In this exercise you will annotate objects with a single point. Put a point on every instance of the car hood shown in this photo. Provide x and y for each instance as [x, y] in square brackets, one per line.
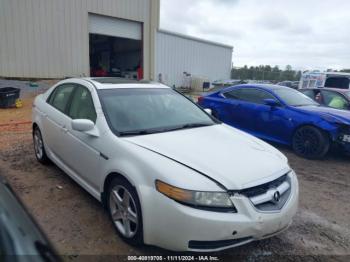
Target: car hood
[232, 158]
[327, 113]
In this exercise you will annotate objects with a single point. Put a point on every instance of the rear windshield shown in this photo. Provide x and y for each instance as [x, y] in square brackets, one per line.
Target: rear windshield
[338, 82]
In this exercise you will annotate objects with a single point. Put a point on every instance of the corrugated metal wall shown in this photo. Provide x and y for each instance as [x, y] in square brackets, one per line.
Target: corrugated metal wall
[176, 54]
[49, 38]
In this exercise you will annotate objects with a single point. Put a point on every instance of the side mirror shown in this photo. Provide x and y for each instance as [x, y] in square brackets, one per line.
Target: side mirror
[82, 125]
[271, 102]
[209, 111]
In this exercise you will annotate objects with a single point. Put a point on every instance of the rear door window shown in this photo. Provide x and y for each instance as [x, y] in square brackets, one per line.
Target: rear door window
[233, 94]
[251, 95]
[60, 97]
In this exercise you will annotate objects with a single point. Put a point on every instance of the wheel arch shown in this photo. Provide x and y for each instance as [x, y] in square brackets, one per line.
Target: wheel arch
[324, 129]
[34, 125]
[37, 123]
[109, 178]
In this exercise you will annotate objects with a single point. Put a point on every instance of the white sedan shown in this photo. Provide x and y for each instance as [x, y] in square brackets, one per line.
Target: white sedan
[169, 173]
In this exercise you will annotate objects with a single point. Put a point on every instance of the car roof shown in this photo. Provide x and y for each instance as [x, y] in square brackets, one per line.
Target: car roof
[115, 82]
[327, 73]
[340, 90]
[337, 74]
[263, 86]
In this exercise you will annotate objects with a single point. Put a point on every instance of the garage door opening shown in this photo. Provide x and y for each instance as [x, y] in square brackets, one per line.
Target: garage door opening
[115, 57]
[115, 47]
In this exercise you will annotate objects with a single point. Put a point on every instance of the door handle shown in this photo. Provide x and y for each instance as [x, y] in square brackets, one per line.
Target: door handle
[64, 129]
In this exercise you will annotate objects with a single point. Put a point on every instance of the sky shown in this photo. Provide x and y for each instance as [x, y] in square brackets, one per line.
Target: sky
[306, 34]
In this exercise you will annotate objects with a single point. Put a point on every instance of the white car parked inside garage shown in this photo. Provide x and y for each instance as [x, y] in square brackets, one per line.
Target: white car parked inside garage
[169, 174]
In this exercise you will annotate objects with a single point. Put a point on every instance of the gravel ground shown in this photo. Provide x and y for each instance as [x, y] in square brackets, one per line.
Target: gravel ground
[77, 224]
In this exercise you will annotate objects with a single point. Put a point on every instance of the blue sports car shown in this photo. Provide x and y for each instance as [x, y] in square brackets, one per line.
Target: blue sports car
[283, 115]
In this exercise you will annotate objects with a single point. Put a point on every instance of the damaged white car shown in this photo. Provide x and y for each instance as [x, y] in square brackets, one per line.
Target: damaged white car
[169, 173]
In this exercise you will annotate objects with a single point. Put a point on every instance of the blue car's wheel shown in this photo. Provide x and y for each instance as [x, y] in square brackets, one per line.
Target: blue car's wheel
[311, 142]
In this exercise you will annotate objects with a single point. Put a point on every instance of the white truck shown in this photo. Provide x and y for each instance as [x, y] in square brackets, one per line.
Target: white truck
[316, 79]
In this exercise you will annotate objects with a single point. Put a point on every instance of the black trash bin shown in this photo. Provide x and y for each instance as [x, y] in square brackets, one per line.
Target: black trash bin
[8, 96]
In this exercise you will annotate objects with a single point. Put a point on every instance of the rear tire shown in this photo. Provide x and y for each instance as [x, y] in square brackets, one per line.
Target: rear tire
[310, 142]
[39, 148]
[125, 211]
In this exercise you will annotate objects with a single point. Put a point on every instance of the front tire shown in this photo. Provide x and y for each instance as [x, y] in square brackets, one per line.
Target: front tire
[39, 148]
[310, 142]
[125, 211]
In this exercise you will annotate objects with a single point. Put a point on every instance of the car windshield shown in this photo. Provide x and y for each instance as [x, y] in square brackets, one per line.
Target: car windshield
[137, 111]
[295, 98]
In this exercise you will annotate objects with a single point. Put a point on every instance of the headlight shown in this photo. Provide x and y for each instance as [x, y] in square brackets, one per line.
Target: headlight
[332, 119]
[216, 201]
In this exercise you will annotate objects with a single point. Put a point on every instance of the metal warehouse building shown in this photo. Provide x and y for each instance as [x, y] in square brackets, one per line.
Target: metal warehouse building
[202, 59]
[121, 38]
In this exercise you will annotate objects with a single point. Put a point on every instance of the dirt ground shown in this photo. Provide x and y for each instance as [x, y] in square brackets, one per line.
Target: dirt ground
[76, 223]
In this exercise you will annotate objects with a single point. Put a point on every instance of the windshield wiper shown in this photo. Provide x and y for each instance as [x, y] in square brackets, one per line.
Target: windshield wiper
[136, 133]
[194, 125]
[188, 126]
[162, 130]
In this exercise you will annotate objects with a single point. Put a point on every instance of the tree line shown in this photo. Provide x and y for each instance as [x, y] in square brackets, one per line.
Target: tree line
[265, 72]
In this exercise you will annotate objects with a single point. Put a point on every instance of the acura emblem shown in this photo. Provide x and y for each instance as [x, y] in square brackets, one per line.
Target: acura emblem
[277, 196]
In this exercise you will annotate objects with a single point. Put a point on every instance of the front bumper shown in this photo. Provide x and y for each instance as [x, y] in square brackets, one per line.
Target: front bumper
[176, 227]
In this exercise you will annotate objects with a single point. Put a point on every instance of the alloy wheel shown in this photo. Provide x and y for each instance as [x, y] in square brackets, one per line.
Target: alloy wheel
[123, 211]
[306, 142]
[38, 144]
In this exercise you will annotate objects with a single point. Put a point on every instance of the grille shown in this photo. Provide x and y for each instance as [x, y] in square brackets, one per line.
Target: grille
[205, 245]
[270, 196]
[262, 189]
